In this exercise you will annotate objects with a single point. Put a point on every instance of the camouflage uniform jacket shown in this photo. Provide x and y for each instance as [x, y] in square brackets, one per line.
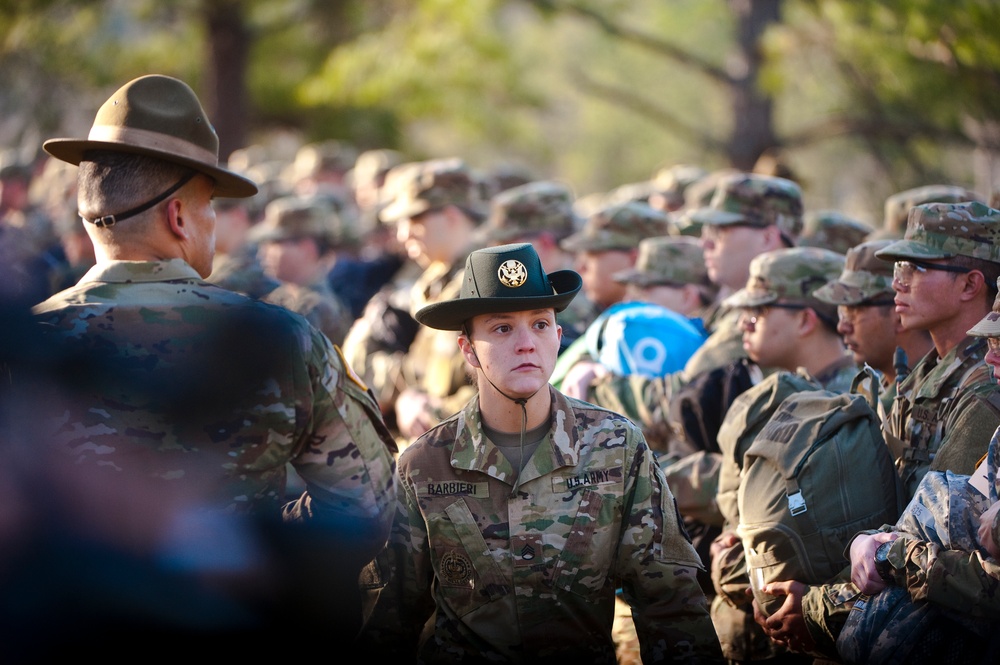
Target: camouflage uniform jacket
[319, 304]
[945, 410]
[210, 388]
[944, 414]
[243, 273]
[945, 587]
[525, 569]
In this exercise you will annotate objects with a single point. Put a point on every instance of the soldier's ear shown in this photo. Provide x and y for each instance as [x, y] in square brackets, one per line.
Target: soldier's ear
[974, 285]
[468, 350]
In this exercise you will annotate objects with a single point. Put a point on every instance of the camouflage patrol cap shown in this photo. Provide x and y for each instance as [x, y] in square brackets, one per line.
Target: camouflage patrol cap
[672, 183]
[832, 229]
[989, 326]
[544, 205]
[667, 260]
[619, 226]
[865, 277]
[297, 217]
[416, 187]
[946, 230]
[897, 206]
[755, 200]
[790, 276]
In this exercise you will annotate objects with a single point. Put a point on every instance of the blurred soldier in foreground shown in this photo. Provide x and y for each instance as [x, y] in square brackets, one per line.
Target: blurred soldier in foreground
[184, 402]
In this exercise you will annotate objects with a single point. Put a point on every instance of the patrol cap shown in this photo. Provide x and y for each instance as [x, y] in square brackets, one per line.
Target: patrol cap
[618, 226]
[989, 326]
[865, 277]
[790, 276]
[669, 260]
[505, 278]
[295, 217]
[946, 230]
[543, 205]
[755, 200]
[897, 207]
[832, 229]
[672, 182]
[157, 116]
[416, 187]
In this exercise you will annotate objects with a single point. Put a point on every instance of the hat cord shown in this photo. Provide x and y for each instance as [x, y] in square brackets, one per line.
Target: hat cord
[520, 401]
[110, 220]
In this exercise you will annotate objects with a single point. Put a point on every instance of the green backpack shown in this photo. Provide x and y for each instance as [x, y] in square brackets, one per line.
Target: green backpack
[817, 473]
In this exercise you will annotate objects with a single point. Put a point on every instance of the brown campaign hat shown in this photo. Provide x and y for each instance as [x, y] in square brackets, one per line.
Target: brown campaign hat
[161, 117]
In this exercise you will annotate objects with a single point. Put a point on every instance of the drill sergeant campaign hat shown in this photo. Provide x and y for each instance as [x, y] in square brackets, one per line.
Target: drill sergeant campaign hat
[667, 260]
[865, 279]
[160, 117]
[619, 226]
[750, 199]
[989, 326]
[505, 278]
[417, 187]
[790, 276]
[535, 207]
[946, 230]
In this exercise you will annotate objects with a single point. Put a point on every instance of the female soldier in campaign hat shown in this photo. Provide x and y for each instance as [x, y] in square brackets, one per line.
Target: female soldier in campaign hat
[519, 517]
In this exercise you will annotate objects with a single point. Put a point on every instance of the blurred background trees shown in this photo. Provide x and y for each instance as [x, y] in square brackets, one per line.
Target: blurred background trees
[858, 98]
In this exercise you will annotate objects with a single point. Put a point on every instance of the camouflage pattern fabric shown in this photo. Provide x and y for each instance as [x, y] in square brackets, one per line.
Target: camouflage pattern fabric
[944, 603]
[790, 276]
[416, 187]
[754, 200]
[209, 390]
[242, 273]
[945, 230]
[544, 205]
[832, 230]
[618, 227]
[865, 277]
[944, 414]
[319, 304]
[525, 569]
[897, 207]
[670, 260]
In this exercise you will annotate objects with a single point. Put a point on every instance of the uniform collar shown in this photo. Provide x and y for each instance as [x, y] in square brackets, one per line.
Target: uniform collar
[560, 447]
[140, 271]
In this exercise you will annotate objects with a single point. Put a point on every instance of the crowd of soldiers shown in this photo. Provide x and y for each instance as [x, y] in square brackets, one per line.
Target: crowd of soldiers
[737, 281]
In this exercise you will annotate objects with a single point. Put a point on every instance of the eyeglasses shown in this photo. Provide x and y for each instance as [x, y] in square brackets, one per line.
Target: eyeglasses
[850, 312]
[903, 271]
[754, 313]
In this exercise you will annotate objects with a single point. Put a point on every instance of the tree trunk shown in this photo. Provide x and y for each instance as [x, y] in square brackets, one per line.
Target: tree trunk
[753, 113]
[226, 96]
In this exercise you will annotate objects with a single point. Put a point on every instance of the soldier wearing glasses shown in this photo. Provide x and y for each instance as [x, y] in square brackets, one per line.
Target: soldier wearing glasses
[867, 318]
[945, 271]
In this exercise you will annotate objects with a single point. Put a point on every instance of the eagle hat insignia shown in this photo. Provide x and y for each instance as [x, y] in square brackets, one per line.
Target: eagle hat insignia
[512, 273]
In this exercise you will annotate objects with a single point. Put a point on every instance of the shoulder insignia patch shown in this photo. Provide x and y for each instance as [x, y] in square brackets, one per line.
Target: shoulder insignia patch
[350, 370]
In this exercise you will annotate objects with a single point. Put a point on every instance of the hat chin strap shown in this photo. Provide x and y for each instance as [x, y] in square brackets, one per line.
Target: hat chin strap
[111, 220]
[520, 401]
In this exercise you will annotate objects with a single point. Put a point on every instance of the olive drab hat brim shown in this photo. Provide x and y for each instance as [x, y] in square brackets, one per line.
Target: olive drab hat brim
[505, 278]
[160, 117]
[946, 230]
